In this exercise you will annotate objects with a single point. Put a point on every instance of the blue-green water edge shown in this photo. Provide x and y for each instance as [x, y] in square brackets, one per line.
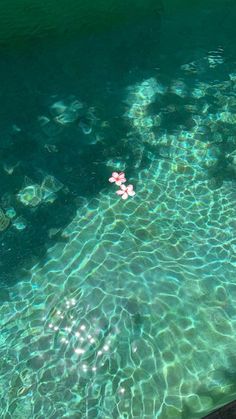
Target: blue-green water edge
[75, 107]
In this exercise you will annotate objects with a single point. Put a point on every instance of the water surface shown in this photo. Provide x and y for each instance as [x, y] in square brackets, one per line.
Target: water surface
[115, 308]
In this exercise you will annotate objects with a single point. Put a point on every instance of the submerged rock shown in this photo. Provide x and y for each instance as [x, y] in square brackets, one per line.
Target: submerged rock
[10, 212]
[51, 183]
[19, 223]
[30, 195]
[228, 117]
[34, 194]
[4, 220]
[85, 126]
[67, 111]
[49, 187]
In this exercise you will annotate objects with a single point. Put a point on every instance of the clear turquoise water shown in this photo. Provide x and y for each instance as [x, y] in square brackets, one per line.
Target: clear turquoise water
[113, 308]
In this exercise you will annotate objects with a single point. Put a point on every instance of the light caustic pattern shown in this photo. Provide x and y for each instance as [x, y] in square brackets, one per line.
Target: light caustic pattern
[135, 316]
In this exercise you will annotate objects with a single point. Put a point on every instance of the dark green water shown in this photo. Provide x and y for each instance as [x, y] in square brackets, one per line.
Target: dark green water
[94, 58]
[93, 66]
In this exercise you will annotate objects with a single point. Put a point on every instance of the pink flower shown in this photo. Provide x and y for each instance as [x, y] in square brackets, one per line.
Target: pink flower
[118, 178]
[126, 191]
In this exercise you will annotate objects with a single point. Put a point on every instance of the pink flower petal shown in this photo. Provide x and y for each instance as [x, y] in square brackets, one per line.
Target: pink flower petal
[125, 195]
[111, 179]
[130, 187]
[131, 193]
[123, 187]
[120, 181]
[115, 174]
[120, 192]
[121, 175]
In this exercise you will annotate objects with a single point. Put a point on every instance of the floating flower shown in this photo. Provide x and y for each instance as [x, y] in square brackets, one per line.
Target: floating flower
[126, 191]
[118, 178]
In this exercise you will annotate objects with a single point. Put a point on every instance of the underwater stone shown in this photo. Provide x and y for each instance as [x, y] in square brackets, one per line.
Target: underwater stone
[148, 89]
[197, 93]
[232, 76]
[228, 117]
[51, 183]
[212, 156]
[58, 108]
[178, 88]
[66, 112]
[65, 118]
[85, 126]
[31, 195]
[4, 221]
[48, 196]
[19, 223]
[10, 212]
[43, 120]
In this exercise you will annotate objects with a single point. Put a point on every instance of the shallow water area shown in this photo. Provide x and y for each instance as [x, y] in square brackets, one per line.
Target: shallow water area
[114, 308]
